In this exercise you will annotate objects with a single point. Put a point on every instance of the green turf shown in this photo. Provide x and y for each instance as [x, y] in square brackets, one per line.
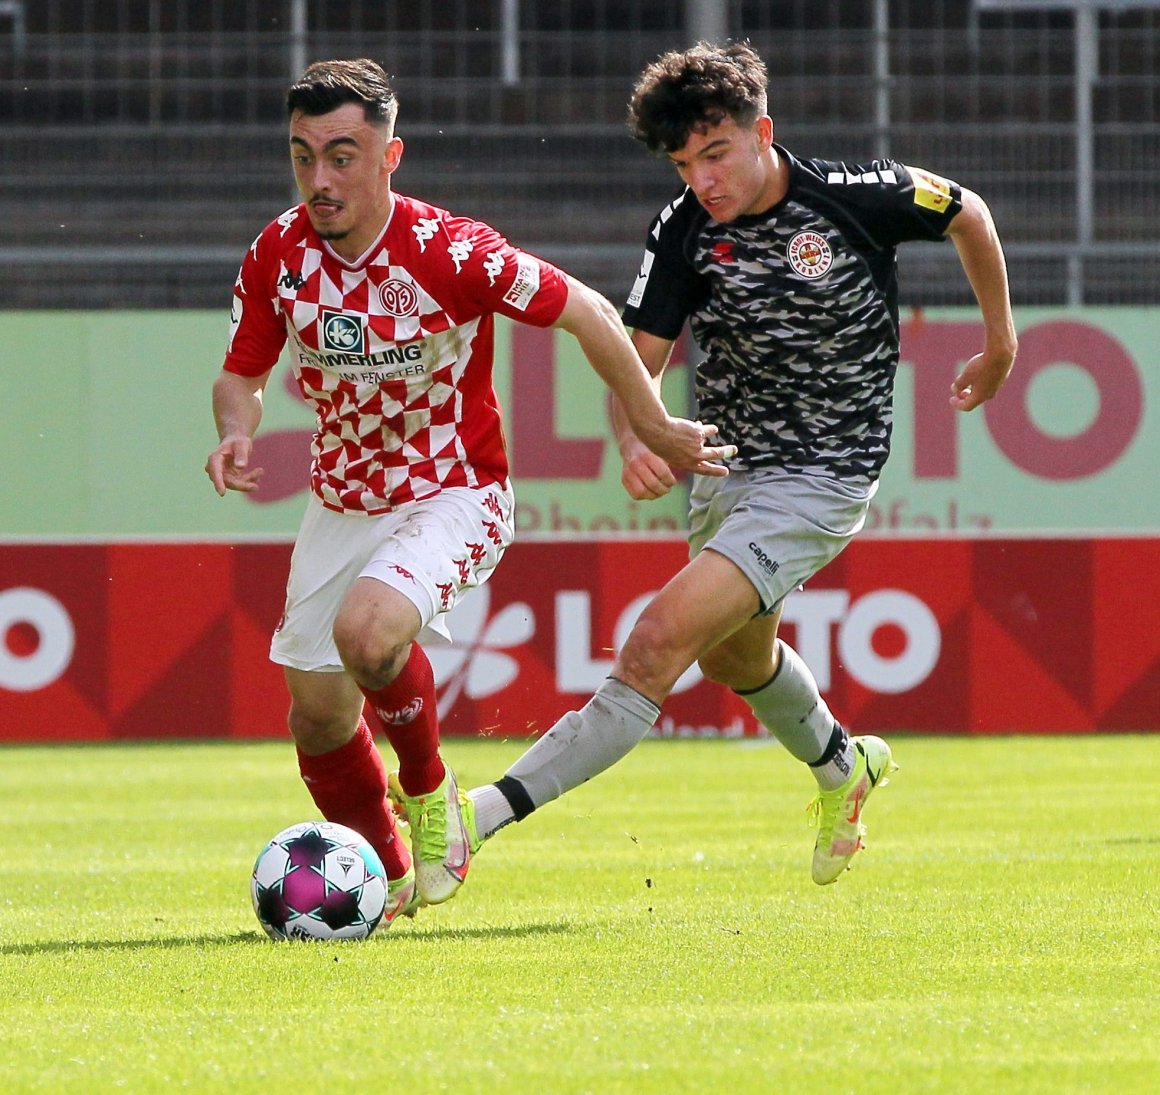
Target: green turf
[657, 931]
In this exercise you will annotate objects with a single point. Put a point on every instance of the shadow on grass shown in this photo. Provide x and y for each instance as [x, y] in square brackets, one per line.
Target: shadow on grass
[169, 942]
[429, 934]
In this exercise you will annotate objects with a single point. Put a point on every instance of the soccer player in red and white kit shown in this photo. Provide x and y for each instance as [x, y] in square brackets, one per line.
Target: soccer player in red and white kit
[388, 306]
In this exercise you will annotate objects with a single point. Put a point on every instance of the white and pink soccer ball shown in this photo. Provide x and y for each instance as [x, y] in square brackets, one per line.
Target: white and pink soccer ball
[319, 880]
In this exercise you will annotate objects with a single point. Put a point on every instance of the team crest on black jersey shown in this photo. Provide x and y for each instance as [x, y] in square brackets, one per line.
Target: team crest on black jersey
[810, 255]
[342, 332]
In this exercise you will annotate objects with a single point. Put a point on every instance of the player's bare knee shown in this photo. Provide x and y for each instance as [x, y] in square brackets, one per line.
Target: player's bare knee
[651, 659]
[371, 662]
[316, 733]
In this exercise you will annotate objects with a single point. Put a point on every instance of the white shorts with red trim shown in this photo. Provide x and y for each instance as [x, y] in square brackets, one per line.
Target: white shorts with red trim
[432, 551]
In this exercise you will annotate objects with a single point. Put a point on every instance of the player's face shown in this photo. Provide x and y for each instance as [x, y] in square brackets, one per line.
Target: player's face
[730, 168]
[343, 166]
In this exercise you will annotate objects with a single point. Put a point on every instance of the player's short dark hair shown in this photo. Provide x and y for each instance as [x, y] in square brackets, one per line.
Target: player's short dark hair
[327, 85]
[687, 90]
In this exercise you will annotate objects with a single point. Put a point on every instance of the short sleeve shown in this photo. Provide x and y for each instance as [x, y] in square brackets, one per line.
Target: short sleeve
[668, 289]
[909, 203]
[257, 326]
[495, 276]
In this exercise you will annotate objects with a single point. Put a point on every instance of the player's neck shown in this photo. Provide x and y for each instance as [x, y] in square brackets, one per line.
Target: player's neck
[776, 184]
[353, 247]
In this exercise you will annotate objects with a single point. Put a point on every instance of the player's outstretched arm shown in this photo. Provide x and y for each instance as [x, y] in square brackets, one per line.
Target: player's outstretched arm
[595, 324]
[644, 475]
[237, 410]
[975, 238]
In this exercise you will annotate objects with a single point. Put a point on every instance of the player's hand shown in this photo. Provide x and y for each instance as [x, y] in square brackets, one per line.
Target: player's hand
[227, 466]
[645, 476]
[980, 379]
[686, 445]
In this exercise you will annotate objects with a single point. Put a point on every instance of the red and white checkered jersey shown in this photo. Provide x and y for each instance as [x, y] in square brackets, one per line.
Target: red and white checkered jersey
[395, 351]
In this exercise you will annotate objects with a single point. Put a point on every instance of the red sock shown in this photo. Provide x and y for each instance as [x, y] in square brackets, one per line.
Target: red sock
[407, 710]
[349, 786]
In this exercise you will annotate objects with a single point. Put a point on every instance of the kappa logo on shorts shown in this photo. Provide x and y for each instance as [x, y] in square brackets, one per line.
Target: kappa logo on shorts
[810, 255]
[342, 332]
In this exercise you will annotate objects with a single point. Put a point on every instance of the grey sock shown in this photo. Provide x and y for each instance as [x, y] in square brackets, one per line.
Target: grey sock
[585, 742]
[791, 708]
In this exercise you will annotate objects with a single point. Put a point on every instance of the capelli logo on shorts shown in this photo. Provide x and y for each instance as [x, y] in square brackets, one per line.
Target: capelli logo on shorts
[342, 332]
[770, 566]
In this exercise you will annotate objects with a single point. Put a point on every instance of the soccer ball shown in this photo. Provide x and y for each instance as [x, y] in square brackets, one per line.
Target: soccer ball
[319, 880]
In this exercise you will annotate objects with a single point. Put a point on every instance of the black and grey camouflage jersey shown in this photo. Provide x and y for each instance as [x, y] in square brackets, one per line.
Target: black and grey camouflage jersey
[796, 310]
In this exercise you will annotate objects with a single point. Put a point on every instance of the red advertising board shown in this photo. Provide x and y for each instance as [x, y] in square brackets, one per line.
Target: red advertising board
[117, 641]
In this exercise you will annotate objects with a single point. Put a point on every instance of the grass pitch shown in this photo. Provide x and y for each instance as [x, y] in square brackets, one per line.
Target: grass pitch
[655, 931]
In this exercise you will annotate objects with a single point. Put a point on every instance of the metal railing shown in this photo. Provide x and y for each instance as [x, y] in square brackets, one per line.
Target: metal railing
[140, 162]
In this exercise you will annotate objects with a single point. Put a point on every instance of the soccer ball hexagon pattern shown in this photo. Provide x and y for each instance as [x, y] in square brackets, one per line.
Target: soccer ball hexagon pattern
[318, 880]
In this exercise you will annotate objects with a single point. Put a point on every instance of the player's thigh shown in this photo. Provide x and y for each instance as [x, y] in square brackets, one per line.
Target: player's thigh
[325, 708]
[329, 552]
[443, 547]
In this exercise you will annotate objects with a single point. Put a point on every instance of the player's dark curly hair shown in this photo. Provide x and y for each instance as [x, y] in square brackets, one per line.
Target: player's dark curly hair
[687, 90]
[327, 85]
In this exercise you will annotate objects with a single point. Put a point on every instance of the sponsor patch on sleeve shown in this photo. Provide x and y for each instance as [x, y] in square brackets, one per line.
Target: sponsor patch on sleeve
[526, 284]
[930, 191]
[638, 286]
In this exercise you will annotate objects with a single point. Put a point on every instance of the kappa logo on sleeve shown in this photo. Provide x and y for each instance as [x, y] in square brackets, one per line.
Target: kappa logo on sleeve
[493, 266]
[286, 220]
[460, 251]
[526, 284]
[425, 229]
[930, 191]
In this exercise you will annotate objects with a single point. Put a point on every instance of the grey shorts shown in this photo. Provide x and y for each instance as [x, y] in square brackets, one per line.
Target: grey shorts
[780, 528]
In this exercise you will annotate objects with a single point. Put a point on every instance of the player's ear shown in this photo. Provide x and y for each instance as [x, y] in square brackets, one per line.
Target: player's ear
[764, 129]
[394, 154]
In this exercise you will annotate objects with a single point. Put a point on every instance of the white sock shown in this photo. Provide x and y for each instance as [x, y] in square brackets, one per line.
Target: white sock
[835, 769]
[492, 810]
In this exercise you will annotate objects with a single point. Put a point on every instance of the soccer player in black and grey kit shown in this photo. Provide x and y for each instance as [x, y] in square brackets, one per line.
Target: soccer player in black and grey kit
[785, 271]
